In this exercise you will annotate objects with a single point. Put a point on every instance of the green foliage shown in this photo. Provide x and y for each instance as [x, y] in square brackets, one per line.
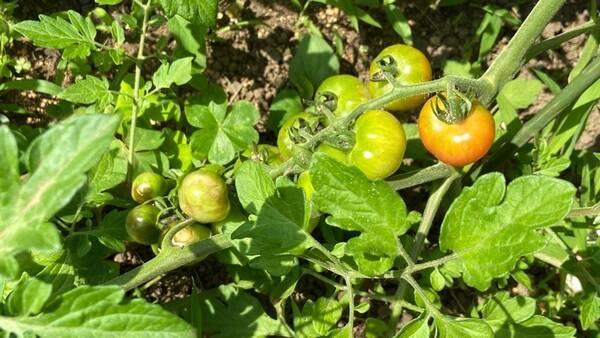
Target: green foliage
[310, 247]
[507, 219]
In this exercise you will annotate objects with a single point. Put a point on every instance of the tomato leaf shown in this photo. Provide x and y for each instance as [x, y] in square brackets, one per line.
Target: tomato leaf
[179, 72]
[87, 91]
[450, 327]
[234, 313]
[28, 297]
[501, 310]
[356, 203]
[190, 39]
[416, 328]
[499, 223]
[536, 326]
[314, 60]
[254, 186]
[59, 33]
[200, 12]
[57, 160]
[99, 312]
[589, 311]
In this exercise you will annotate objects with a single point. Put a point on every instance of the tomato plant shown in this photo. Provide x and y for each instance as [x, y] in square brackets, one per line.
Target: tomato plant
[457, 143]
[177, 168]
[203, 195]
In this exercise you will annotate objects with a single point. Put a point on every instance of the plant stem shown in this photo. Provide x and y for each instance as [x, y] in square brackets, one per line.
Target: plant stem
[430, 307]
[433, 203]
[170, 259]
[136, 85]
[583, 212]
[510, 59]
[420, 176]
[350, 305]
[557, 40]
[431, 208]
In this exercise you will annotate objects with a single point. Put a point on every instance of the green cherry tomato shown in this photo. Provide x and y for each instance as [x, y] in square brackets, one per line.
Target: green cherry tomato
[380, 144]
[147, 186]
[338, 154]
[284, 142]
[188, 235]
[350, 92]
[141, 224]
[412, 68]
[203, 195]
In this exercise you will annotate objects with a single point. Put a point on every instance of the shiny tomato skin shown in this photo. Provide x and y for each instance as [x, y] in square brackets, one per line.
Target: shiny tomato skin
[461, 143]
[338, 154]
[413, 68]
[203, 195]
[147, 186]
[348, 89]
[140, 224]
[380, 144]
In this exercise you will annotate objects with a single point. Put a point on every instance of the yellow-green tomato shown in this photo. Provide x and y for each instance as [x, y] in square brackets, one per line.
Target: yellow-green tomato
[412, 68]
[190, 234]
[336, 153]
[284, 142]
[141, 224]
[349, 92]
[147, 186]
[203, 195]
[380, 144]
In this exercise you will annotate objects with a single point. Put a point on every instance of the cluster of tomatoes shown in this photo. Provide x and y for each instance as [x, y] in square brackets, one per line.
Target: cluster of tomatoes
[376, 146]
[379, 138]
[203, 196]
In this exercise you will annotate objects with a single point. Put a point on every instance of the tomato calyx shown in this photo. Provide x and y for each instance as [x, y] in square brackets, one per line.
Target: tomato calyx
[455, 107]
[388, 70]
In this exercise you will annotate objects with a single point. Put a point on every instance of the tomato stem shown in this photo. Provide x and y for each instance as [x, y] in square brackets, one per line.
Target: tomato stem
[136, 86]
[170, 259]
[510, 59]
[431, 208]
[416, 177]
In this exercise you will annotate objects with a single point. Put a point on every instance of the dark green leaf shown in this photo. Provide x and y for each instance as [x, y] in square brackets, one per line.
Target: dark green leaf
[200, 12]
[314, 60]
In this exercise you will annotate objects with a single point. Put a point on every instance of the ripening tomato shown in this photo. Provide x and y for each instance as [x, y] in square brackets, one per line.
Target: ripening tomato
[460, 143]
[147, 186]
[380, 144]
[188, 235]
[349, 91]
[284, 142]
[336, 153]
[141, 224]
[412, 68]
[203, 195]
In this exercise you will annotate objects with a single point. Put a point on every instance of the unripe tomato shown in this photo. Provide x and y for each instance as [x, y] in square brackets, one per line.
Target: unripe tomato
[284, 142]
[380, 144]
[141, 224]
[147, 186]
[350, 92]
[203, 196]
[188, 235]
[336, 153]
[413, 68]
[460, 143]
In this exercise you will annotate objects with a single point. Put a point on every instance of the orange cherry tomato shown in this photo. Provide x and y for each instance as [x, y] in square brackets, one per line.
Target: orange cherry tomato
[457, 144]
